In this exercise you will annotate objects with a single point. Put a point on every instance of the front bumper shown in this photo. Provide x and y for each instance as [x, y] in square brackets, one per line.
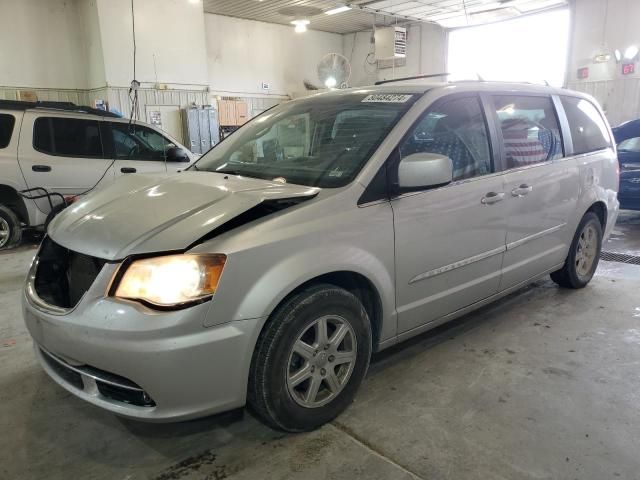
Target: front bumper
[186, 370]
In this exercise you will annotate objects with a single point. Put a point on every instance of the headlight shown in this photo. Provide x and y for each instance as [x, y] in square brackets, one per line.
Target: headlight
[172, 280]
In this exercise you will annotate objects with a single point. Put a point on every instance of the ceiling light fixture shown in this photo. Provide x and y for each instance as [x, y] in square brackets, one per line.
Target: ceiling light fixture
[330, 82]
[631, 52]
[339, 9]
[301, 25]
[618, 55]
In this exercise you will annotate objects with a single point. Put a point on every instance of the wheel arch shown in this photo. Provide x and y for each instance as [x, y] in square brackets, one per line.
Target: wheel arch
[10, 198]
[355, 283]
[600, 209]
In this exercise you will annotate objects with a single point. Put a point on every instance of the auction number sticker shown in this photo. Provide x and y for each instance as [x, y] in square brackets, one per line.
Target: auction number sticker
[387, 98]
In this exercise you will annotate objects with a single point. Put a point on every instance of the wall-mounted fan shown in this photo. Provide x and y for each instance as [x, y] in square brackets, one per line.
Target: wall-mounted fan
[334, 71]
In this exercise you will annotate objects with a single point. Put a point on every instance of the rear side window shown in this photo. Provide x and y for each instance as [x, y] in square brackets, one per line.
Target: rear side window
[588, 129]
[68, 137]
[530, 130]
[6, 129]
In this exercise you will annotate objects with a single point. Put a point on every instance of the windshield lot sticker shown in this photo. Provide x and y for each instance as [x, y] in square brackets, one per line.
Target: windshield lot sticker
[386, 98]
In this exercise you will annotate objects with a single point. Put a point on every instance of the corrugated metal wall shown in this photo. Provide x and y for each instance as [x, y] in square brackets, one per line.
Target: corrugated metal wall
[620, 98]
[46, 94]
[118, 98]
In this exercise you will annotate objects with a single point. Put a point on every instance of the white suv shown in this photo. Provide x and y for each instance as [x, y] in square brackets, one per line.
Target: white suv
[56, 150]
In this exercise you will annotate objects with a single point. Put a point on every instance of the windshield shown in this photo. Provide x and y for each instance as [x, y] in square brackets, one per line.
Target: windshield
[322, 141]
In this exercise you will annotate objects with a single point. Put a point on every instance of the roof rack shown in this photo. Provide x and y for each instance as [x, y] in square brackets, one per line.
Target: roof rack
[64, 106]
[417, 77]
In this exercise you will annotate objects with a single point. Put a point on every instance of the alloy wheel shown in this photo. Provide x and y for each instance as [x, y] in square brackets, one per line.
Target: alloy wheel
[5, 232]
[321, 361]
[587, 249]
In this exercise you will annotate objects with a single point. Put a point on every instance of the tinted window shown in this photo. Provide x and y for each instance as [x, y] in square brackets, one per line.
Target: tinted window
[68, 137]
[6, 129]
[458, 130]
[530, 130]
[136, 142]
[630, 145]
[588, 129]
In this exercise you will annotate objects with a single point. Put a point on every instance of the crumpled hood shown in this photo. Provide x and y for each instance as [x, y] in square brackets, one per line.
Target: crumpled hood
[153, 213]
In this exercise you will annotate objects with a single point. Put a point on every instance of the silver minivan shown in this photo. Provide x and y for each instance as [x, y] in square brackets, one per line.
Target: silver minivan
[324, 230]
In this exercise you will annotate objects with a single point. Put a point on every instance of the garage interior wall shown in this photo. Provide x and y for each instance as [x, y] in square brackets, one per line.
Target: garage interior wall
[426, 54]
[242, 54]
[605, 26]
[41, 44]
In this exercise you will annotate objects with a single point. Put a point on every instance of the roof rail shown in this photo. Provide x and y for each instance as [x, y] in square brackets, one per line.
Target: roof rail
[64, 106]
[417, 77]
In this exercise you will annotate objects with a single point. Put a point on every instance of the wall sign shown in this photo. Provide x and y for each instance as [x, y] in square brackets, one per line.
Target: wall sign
[583, 73]
[628, 68]
[155, 118]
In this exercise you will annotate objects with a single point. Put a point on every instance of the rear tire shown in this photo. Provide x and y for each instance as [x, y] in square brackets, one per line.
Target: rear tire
[584, 254]
[310, 359]
[10, 229]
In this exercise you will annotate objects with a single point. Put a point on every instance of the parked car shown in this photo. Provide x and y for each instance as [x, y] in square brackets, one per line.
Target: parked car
[69, 150]
[627, 137]
[323, 230]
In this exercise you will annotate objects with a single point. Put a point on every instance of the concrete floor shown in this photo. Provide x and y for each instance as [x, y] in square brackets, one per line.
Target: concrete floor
[542, 385]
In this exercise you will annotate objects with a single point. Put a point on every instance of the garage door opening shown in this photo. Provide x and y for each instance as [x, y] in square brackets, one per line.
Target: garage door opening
[533, 48]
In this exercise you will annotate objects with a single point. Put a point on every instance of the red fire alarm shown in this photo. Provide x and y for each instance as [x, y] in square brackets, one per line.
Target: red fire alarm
[583, 73]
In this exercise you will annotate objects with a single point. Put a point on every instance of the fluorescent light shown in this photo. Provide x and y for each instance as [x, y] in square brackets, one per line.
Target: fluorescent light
[301, 25]
[631, 52]
[340, 9]
[330, 82]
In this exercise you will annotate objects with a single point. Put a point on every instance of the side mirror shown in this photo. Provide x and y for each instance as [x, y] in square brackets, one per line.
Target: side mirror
[424, 170]
[177, 154]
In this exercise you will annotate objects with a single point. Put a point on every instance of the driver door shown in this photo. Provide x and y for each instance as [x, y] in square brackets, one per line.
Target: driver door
[138, 149]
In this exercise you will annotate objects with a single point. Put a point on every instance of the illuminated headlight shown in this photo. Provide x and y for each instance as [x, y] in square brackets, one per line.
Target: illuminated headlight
[172, 280]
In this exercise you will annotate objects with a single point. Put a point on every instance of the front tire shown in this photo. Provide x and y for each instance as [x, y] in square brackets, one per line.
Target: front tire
[584, 254]
[10, 228]
[310, 359]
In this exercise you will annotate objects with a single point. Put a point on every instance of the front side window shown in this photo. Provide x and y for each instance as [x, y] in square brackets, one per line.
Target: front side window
[137, 142]
[588, 129]
[69, 137]
[321, 141]
[456, 129]
[530, 130]
[630, 145]
[6, 129]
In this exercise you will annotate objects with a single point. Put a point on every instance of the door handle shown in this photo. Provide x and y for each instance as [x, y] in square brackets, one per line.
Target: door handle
[41, 168]
[128, 170]
[492, 197]
[522, 190]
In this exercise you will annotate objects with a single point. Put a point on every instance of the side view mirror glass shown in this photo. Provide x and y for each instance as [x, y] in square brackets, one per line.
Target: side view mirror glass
[177, 154]
[424, 170]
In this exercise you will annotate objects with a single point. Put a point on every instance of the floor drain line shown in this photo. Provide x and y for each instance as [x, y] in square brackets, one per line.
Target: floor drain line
[620, 257]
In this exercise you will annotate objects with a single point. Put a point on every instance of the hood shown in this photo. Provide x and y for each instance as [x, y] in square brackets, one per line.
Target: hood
[143, 214]
[626, 130]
